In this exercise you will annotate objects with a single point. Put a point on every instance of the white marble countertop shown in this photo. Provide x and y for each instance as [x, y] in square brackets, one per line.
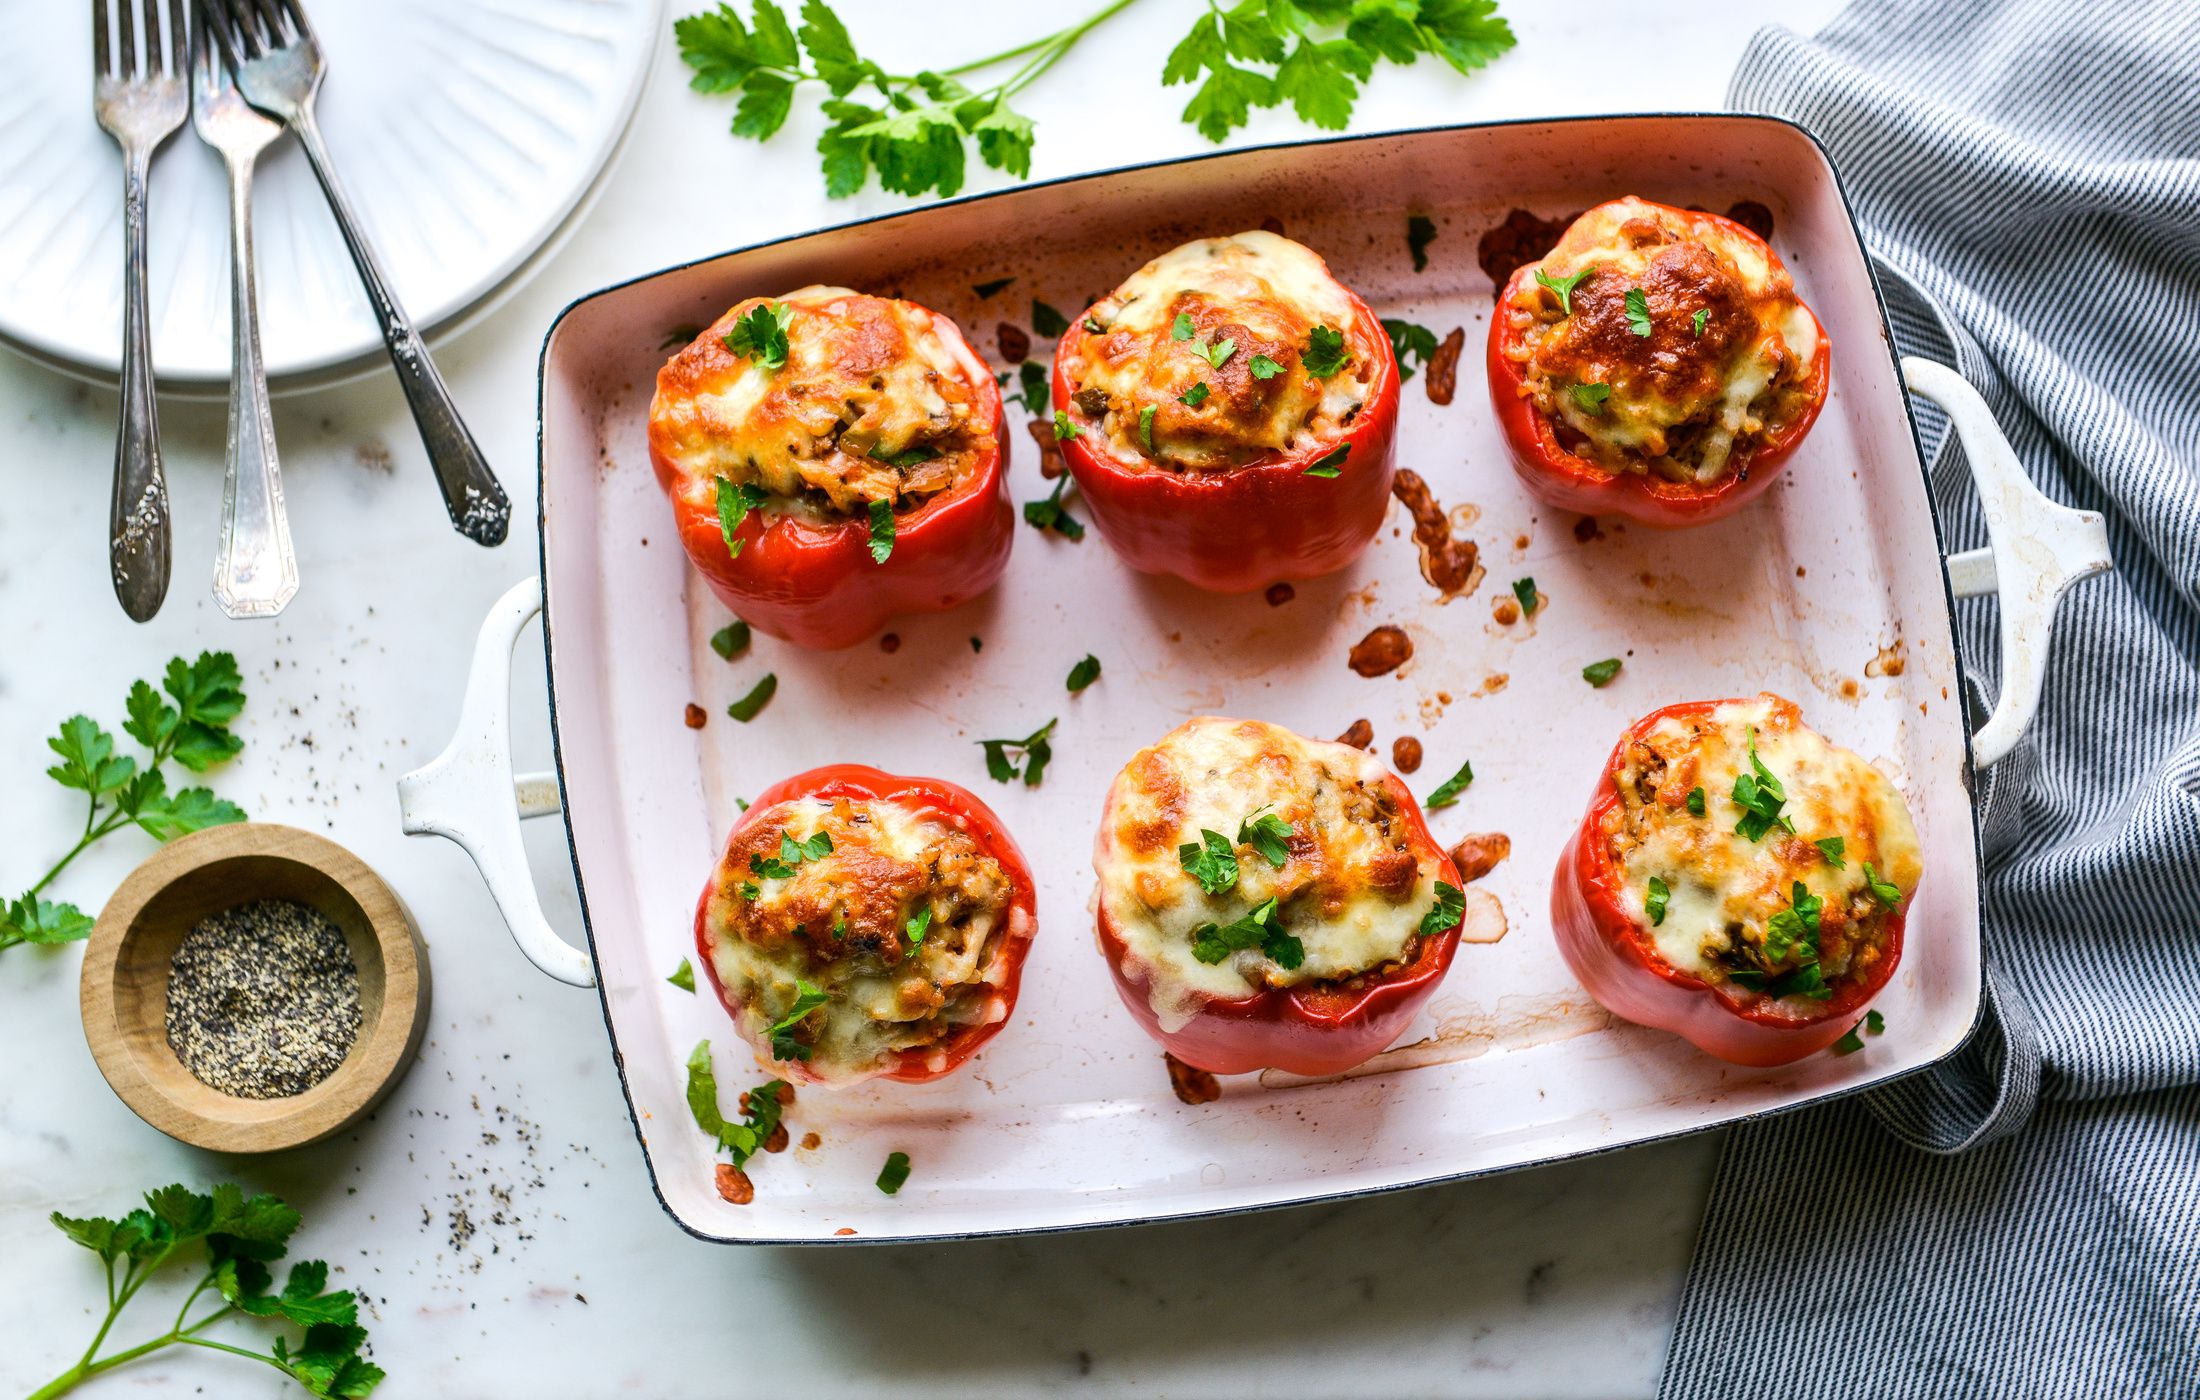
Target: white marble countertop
[494, 1214]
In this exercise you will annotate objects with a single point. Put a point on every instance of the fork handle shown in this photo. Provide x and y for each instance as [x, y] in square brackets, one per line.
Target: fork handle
[137, 514]
[255, 570]
[477, 504]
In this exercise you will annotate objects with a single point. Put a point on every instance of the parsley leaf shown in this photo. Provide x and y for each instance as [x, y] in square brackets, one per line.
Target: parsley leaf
[895, 1173]
[1211, 860]
[1695, 802]
[987, 290]
[683, 976]
[1591, 397]
[1885, 893]
[1324, 354]
[1181, 328]
[1330, 463]
[750, 705]
[1760, 796]
[1448, 912]
[1268, 834]
[1563, 286]
[1600, 673]
[1033, 752]
[1447, 792]
[1703, 314]
[1145, 425]
[1524, 590]
[1654, 900]
[1638, 312]
[1832, 848]
[1064, 430]
[917, 927]
[1261, 928]
[1194, 396]
[730, 640]
[1412, 345]
[882, 531]
[1872, 1024]
[761, 334]
[1084, 673]
[806, 1000]
[1051, 514]
[1032, 387]
[1047, 321]
[1420, 232]
[734, 505]
[1265, 368]
[1219, 353]
[762, 1106]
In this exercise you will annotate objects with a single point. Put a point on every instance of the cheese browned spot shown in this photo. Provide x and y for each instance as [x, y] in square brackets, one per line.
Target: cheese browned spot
[1353, 888]
[1260, 294]
[841, 921]
[1727, 364]
[1724, 889]
[876, 402]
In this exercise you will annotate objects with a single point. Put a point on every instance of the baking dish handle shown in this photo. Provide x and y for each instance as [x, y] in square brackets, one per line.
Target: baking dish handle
[2037, 549]
[468, 793]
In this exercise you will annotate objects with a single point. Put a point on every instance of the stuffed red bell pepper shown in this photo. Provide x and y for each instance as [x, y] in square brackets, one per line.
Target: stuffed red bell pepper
[1270, 901]
[1738, 881]
[834, 459]
[1228, 414]
[862, 925]
[1656, 364]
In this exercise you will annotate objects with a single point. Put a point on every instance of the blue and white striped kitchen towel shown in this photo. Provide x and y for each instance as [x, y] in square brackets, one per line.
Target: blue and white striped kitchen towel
[2025, 1220]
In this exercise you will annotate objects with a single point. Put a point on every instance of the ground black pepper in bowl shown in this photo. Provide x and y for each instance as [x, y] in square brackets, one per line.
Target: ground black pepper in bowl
[263, 999]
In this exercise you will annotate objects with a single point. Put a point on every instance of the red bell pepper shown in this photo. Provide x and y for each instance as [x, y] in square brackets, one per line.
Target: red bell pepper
[816, 585]
[1266, 522]
[1618, 963]
[1319, 1028]
[931, 797]
[1569, 481]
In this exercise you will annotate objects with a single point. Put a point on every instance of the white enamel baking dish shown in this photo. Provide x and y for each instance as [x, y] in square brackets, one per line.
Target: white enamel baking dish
[1067, 1119]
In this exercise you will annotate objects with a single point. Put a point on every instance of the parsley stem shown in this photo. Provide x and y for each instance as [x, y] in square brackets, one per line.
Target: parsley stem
[1060, 41]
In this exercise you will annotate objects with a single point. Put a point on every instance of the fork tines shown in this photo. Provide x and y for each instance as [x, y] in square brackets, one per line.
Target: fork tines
[249, 29]
[121, 22]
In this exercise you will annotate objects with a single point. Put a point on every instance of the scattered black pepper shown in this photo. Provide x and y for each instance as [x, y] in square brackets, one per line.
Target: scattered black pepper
[263, 999]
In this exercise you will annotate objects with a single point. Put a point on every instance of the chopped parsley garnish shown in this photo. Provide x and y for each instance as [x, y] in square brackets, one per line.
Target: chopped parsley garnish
[1695, 802]
[758, 1122]
[1181, 328]
[1760, 796]
[791, 854]
[749, 888]
[760, 694]
[1420, 232]
[1450, 909]
[1268, 834]
[1703, 314]
[1212, 861]
[1145, 425]
[734, 505]
[1447, 791]
[761, 334]
[1600, 673]
[1219, 353]
[917, 927]
[1889, 895]
[1265, 368]
[1064, 430]
[1591, 397]
[992, 289]
[806, 1000]
[1212, 943]
[1051, 514]
[730, 640]
[882, 531]
[894, 1173]
[1031, 379]
[904, 460]
[1524, 590]
[1046, 320]
[1564, 286]
[840, 924]
[1093, 327]
[683, 976]
[1033, 752]
[1084, 673]
[1324, 354]
[1410, 343]
[1795, 927]
[1832, 848]
[1638, 312]
[1654, 901]
[1194, 396]
[1330, 463]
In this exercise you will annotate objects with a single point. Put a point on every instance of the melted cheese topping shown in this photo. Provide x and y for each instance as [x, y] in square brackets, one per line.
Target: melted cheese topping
[841, 922]
[1684, 401]
[1353, 887]
[1723, 888]
[1258, 291]
[876, 402]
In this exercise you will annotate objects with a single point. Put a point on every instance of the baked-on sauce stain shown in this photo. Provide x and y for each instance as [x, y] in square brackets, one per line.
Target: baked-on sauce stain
[1015, 345]
[1050, 450]
[1361, 735]
[1381, 651]
[1405, 753]
[734, 1186]
[1192, 1086]
[695, 716]
[1450, 564]
[1280, 593]
[1478, 855]
[1443, 366]
[1518, 241]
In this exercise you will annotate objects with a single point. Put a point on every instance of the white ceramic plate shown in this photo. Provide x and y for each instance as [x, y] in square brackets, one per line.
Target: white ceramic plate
[466, 131]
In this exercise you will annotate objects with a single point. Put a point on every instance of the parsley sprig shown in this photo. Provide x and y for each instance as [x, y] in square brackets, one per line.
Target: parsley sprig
[1412, 345]
[240, 1236]
[742, 1137]
[1260, 928]
[1760, 796]
[187, 720]
[1033, 752]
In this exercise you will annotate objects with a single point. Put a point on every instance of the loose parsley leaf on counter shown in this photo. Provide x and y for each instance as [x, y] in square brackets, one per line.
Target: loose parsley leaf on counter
[1267, 833]
[1412, 345]
[1324, 354]
[742, 1138]
[1695, 802]
[1889, 895]
[1032, 388]
[882, 531]
[977, 644]
[1833, 849]
[1524, 590]
[1448, 912]
[1638, 312]
[683, 976]
[734, 505]
[1872, 1024]
[1084, 673]
[761, 334]
[1330, 463]
[1420, 232]
[748, 706]
[1592, 396]
[1760, 796]
[1600, 673]
[730, 640]
[1654, 900]
[1564, 286]
[806, 1000]
[1051, 514]
[894, 1173]
[1211, 860]
[991, 289]
[1447, 791]
[1034, 752]
[1194, 396]
[1047, 321]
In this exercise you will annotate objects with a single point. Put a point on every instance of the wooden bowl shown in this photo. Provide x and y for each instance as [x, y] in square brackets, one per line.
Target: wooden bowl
[125, 987]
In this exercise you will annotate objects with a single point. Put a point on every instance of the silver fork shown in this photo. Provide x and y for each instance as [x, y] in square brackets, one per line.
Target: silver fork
[140, 105]
[277, 63]
[255, 571]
